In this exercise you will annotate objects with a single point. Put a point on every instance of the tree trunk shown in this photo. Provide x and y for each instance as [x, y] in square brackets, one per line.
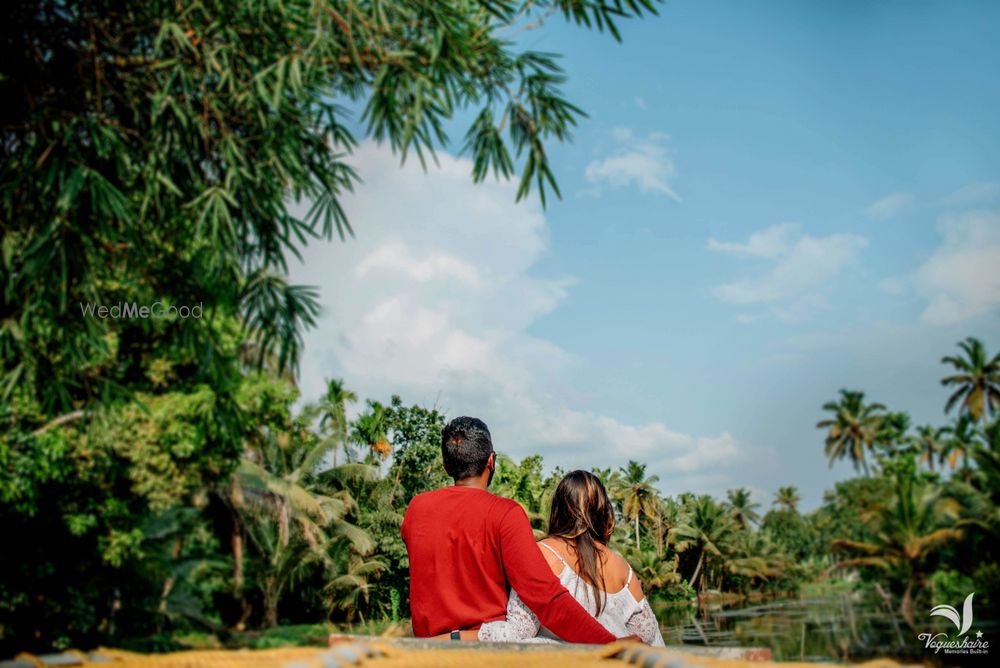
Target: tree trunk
[270, 603]
[237, 543]
[697, 569]
[168, 586]
[892, 613]
[906, 605]
[659, 535]
[284, 519]
[638, 546]
[237, 546]
[344, 441]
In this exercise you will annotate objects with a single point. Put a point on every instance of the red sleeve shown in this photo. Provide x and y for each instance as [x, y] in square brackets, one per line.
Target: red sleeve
[530, 576]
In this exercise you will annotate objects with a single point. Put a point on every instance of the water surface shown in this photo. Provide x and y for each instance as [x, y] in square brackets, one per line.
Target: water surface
[853, 626]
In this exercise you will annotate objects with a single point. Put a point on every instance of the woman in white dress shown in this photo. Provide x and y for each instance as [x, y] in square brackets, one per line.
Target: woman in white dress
[576, 548]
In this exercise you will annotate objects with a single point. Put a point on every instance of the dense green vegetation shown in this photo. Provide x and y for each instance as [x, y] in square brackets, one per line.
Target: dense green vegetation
[161, 484]
[154, 154]
[120, 540]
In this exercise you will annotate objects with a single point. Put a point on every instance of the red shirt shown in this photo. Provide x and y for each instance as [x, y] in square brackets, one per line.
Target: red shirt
[467, 549]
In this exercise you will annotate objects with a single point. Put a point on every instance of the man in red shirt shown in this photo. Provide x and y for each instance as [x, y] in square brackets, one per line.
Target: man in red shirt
[468, 547]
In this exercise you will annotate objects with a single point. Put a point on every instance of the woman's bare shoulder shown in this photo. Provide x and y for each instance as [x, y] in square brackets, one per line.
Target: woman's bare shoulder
[552, 559]
[615, 570]
[623, 568]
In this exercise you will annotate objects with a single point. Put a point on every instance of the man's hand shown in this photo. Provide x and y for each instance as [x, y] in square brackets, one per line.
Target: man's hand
[631, 638]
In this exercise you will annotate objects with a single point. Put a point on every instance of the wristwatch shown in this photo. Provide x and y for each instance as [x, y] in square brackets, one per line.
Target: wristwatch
[456, 635]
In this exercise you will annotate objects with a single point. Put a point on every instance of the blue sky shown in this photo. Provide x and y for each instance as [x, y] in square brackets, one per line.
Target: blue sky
[769, 201]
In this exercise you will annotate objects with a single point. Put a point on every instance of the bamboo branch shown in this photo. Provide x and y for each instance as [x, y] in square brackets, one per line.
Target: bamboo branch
[59, 421]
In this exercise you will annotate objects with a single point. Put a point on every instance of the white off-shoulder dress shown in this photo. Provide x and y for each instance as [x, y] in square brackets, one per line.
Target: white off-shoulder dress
[622, 615]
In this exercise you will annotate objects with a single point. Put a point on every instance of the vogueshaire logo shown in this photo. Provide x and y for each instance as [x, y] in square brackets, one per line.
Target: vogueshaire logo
[960, 643]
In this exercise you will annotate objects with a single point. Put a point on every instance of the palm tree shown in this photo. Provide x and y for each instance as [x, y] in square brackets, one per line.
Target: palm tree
[637, 494]
[987, 506]
[959, 441]
[929, 444]
[523, 483]
[655, 573]
[281, 503]
[549, 485]
[917, 522]
[668, 515]
[853, 429]
[333, 407]
[604, 475]
[787, 498]
[352, 585]
[520, 481]
[893, 434]
[709, 529]
[991, 435]
[757, 557]
[977, 380]
[284, 557]
[742, 507]
[371, 431]
[612, 480]
[165, 535]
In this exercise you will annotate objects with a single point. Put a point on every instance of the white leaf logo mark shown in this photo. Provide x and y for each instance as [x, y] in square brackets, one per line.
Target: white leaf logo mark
[963, 622]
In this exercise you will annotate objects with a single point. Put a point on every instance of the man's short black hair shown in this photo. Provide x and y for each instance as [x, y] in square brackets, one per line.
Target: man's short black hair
[465, 447]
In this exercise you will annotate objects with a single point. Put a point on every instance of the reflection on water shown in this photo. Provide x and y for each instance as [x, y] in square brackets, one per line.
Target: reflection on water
[844, 627]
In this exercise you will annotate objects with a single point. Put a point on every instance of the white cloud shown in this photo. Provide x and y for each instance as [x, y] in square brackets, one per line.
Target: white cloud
[961, 279]
[802, 269]
[644, 163]
[396, 257]
[889, 206]
[770, 243]
[433, 301]
[974, 193]
[640, 102]
[893, 285]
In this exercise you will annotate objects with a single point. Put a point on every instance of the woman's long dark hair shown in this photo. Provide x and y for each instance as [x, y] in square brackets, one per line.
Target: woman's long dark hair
[582, 516]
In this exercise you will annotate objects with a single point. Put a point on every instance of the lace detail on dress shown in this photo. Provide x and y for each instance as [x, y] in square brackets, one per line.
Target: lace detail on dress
[643, 624]
[521, 625]
[622, 615]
